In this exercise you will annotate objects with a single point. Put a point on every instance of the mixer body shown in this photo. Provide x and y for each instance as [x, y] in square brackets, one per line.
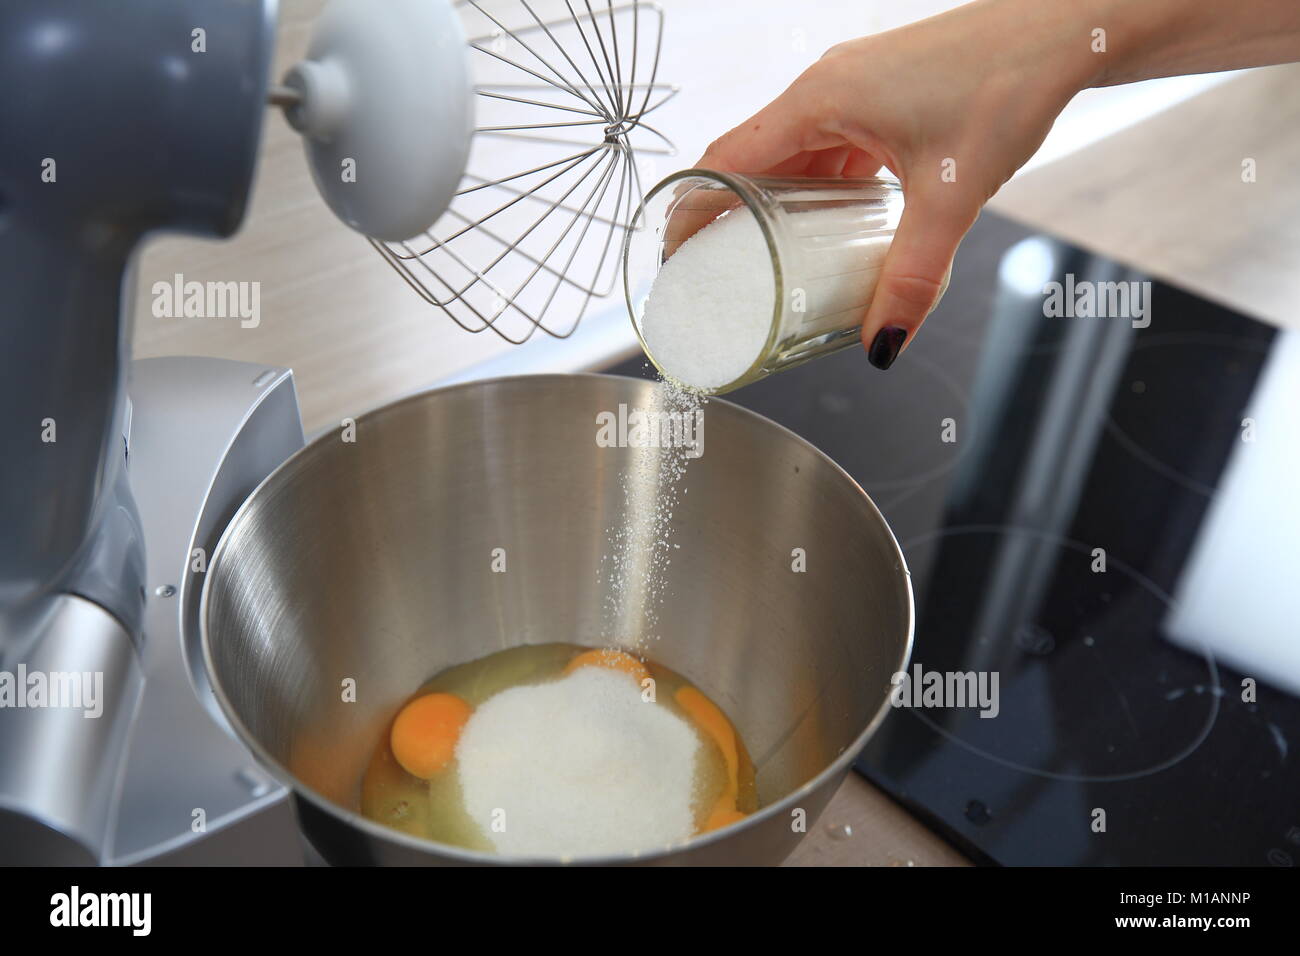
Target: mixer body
[120, 120]
[125, 119]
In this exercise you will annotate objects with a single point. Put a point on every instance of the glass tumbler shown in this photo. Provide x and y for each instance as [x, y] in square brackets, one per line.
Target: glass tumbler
[825, 244]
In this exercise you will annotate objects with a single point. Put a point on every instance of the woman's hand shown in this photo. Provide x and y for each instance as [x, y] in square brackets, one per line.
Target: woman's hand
[952, 105]
[955, 104]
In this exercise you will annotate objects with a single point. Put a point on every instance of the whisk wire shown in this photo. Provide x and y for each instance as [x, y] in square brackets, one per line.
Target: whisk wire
[529, 248]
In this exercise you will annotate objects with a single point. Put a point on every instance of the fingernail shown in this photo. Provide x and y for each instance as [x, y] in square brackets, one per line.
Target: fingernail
[886, 346]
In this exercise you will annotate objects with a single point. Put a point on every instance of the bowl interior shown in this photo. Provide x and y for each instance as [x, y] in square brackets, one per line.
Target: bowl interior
[368, 564]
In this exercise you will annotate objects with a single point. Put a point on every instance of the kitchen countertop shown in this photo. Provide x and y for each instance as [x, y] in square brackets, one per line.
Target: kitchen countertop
[1166, 196]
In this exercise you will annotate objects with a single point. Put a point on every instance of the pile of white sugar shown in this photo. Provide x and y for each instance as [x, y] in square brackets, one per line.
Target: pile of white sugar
[580, 766]
[709, 311]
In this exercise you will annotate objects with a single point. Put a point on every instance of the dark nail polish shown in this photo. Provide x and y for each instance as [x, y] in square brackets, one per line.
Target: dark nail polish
[886, 346]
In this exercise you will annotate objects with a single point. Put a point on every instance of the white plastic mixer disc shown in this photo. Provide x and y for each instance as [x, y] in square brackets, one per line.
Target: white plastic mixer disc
[386, 112]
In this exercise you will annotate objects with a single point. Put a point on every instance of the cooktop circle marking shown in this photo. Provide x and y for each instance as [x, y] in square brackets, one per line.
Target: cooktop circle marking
[1112, 564]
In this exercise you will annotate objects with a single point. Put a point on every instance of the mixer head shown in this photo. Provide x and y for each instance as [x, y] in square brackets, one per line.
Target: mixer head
[383, 104]
[501, 200]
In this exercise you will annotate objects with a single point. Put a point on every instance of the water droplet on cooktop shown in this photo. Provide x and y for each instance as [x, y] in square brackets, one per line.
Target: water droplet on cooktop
[839, 831]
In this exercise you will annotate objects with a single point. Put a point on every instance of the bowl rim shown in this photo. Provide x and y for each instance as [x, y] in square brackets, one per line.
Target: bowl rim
[461, 855]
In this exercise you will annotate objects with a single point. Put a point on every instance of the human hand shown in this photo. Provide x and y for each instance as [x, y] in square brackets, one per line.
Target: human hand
[952, 106]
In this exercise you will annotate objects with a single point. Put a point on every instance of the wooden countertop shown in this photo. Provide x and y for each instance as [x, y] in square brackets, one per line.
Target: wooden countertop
[1166, 196]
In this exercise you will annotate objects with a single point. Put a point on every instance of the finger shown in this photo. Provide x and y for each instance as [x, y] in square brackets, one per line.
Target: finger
[837, 162]
[783, 129]
[693, 212]
[861, 165]
[696, 204]
[828, 163]
[764, 138]
[916, 267]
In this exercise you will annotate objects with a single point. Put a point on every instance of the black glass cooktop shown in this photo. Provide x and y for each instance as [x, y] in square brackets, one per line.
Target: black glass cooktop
[1095, 478]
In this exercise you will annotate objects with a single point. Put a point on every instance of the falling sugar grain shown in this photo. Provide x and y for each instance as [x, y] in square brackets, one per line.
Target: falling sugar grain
[640, 546]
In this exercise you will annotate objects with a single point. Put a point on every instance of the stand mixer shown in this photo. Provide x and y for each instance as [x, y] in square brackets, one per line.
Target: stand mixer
[129, 119]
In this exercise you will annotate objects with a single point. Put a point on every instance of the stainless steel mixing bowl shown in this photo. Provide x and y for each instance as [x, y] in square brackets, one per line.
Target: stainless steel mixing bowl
[371, 561]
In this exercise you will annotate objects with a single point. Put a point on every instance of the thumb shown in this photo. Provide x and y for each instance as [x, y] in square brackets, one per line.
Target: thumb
[916, 268]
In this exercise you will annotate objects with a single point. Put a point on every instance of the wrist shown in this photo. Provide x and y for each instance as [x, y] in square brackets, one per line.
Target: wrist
[1050, 42]
[1121, 34]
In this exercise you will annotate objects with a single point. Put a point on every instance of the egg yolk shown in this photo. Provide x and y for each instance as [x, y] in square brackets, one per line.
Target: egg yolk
[714, 722]
[425, 732]
[614, 660]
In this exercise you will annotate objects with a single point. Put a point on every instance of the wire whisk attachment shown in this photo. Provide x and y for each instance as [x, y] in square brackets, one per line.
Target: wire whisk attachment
[560, 152]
